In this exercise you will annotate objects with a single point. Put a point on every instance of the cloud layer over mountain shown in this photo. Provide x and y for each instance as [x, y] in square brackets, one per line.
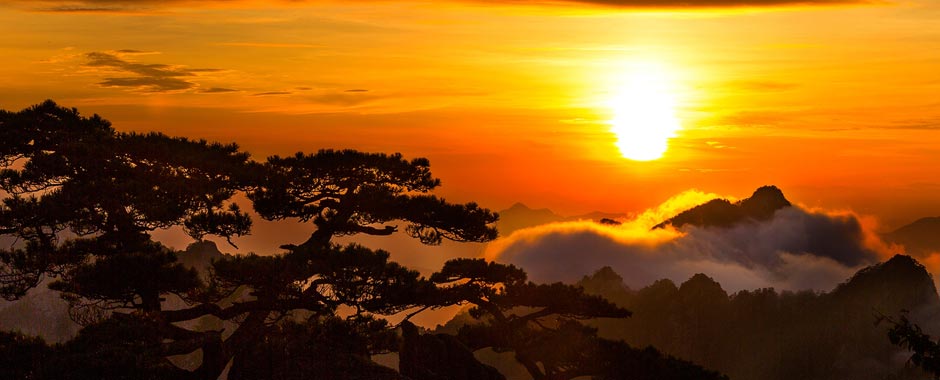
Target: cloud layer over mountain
[795, 249]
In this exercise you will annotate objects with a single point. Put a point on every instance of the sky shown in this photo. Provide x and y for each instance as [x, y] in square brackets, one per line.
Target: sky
[835, 102]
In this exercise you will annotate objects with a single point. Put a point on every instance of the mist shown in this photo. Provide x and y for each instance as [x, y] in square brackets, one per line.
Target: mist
[796, 249]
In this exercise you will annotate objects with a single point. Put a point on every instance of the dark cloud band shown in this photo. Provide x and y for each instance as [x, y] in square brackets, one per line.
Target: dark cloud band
[150, 77]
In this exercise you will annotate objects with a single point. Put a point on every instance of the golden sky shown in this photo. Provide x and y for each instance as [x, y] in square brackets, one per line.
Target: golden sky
[836, 102]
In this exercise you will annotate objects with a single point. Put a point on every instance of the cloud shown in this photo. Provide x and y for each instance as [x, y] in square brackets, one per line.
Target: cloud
[134, 51]
[796, 249]
[149, 77]
[270, 93]
[923, 125]
[271, 45]
[215, 90]
[68, 9]
[344, 99]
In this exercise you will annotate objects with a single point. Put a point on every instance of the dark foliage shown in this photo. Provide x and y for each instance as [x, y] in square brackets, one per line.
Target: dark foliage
[123, 347]
[926, 351]
[439, 357]
[22, 357]
[322, 348]
[345, 192]
[81, 201]
[77, 193]
[542, 324]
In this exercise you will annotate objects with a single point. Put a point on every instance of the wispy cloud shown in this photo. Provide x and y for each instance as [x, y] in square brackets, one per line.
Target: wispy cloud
[67, 9]
[275, 45]
[344, 99]
[148, 77]
[215, 90]
[271, 93]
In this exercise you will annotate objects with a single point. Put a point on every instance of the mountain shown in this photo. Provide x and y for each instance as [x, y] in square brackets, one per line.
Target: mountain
[607, 283]
[896, 284]
[199, 255]
[919, 238]
[763, 334]
[520, 216]
[761, 205]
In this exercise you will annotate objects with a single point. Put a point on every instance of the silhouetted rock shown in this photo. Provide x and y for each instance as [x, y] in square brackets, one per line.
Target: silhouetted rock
[439, 357]
[199, 255]
[761, 205]
[610, 222]
[920, 237]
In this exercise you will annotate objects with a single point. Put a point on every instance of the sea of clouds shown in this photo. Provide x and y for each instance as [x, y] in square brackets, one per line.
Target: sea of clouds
[797, 249]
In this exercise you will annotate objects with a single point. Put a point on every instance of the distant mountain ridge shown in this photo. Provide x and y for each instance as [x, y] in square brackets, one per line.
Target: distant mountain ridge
[761, 205]
[920, 237]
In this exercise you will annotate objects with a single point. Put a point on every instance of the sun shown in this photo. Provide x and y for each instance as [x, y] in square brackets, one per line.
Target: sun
[644, 110]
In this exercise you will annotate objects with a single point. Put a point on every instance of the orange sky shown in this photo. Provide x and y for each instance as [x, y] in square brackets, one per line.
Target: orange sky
[838, 103]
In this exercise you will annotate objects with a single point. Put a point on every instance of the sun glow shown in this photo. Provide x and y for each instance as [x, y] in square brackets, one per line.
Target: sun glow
[644, 109]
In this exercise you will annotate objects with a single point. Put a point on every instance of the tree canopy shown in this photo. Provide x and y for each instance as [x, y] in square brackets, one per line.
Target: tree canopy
[344, 192]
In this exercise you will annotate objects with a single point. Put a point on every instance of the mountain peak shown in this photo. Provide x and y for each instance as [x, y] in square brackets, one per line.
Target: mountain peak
[520, 216]
[203, 246]
[607, 283]
[199, 255]
[518, 206]
[899, 283]
[701, 287]
[761, 205]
